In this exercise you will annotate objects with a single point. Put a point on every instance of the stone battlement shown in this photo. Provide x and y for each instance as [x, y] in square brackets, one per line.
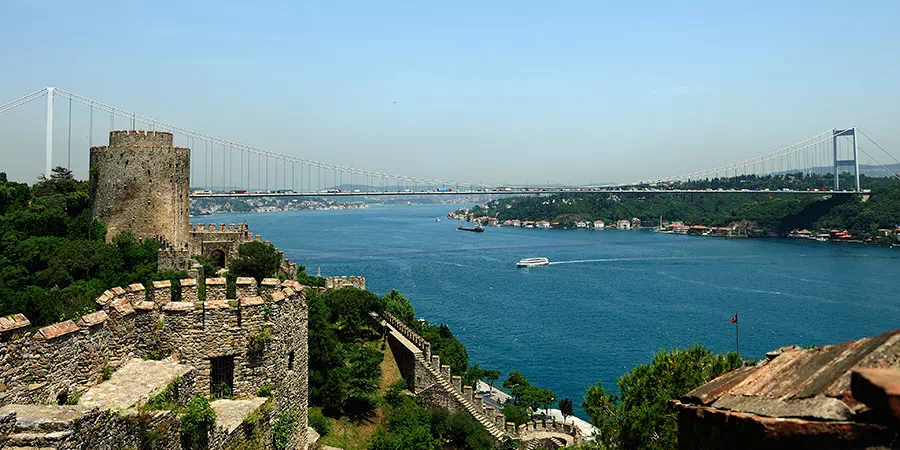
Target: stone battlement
[232, 228]
[70, 356]
[435, 383]
[333, 283]
[138, 137]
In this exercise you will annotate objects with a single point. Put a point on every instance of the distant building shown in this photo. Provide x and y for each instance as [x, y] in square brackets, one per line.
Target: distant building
[516, 223]
[635, 223]
[599, 225]
[542, 224]
[623, 225]
[581, 224]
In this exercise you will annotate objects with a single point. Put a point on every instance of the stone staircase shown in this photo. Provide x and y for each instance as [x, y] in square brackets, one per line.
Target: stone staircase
[473, 410]
[40, 427]
[558, 442]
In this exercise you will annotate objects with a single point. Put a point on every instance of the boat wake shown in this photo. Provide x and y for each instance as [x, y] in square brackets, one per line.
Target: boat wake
[654, 258]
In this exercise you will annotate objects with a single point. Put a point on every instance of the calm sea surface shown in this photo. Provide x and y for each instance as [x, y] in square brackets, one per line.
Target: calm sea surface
[620, 296]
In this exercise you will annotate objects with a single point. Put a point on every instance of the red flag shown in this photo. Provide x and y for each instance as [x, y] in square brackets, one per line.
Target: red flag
[734, 319]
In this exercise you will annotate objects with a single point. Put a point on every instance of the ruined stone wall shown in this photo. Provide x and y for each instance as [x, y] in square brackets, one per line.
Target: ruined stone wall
[266, 335]
[342, 282]
[140, 183]
[205, 239]
[108, 430]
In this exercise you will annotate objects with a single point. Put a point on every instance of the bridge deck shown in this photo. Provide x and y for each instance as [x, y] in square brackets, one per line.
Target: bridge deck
[531, 191]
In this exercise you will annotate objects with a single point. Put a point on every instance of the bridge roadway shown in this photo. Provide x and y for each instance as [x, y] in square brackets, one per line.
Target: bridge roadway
[528, 191]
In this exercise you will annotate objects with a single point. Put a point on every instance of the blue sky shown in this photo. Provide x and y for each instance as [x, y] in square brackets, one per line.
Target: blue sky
[499, 92]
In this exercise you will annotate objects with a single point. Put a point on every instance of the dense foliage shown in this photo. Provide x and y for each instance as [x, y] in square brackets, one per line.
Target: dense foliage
[779, 213]
[526, 397]
[412, 426]
[255, 259]
[343, 371]
[197, 421]
[54, 261]
[637, 418]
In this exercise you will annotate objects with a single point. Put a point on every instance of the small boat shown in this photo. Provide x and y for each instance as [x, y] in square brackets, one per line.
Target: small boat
[437, 219]
[477, 229]
[533, 262]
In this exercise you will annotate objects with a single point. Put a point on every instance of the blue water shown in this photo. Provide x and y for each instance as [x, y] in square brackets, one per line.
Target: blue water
[623, 296]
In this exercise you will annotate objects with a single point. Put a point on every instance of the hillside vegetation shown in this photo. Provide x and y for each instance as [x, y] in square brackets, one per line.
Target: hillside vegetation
[777, 213]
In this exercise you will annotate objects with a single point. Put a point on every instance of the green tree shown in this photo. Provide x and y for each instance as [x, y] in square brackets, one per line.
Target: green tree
[566, 408]
[491, 376]
[472, 375]
[350, 308]
[517, 384]
[639, 418]
[256, 259]
[400, 307]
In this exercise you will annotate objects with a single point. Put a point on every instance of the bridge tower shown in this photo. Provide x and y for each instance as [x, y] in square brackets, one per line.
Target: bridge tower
[838, 163]
[140, 183]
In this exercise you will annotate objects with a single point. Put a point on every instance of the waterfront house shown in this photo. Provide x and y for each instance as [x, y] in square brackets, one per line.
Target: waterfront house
[679, 228]
[542, 224]
[698, 230]
[554, 225]
[516, 223]
[599, 225]
[581, 224]
[635, 223]
[623, 225]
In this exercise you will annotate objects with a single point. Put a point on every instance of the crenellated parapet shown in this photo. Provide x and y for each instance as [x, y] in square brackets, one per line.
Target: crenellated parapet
[166, 319]
[433, 381]
[334, 283]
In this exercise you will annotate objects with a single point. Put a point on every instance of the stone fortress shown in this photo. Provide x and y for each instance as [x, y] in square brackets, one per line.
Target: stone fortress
[85, 384]
[140, 183]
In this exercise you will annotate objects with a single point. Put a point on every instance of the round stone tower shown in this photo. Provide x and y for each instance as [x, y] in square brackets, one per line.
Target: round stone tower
[140, 183]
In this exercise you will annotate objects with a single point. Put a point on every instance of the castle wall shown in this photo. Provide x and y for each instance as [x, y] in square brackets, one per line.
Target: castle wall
[70, 357]
[139, 184]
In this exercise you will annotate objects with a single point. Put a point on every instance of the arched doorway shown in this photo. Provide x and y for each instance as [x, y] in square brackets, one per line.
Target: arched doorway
[218, 258]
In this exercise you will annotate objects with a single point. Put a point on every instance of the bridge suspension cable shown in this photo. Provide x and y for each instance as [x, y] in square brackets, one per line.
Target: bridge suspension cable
[164, 126]
[23, 100]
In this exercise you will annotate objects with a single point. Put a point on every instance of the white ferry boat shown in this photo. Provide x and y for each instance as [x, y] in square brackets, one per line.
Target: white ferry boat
[533, 262]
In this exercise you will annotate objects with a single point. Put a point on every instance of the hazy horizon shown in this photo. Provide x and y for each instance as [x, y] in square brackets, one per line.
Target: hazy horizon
[500, 93]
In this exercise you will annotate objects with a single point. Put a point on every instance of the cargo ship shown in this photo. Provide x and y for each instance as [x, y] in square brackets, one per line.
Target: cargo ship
[476, 229]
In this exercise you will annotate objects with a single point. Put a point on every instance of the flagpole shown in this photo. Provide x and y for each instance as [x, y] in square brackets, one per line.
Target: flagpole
[737, 339]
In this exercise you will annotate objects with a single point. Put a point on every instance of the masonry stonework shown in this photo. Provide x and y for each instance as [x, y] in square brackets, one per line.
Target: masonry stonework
[139, 184]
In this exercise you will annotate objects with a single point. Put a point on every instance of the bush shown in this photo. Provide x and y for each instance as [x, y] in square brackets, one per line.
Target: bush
[255, 259]
[265, 390]
[392, 395]
[197, 421]
[283, 430]
[319, 422]
[515, 414]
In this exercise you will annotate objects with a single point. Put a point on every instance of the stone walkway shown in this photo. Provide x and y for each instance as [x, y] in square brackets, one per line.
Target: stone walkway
[132, 384]
[230, 413]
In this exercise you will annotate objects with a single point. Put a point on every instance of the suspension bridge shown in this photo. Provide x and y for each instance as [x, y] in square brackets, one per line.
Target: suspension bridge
[222, 168]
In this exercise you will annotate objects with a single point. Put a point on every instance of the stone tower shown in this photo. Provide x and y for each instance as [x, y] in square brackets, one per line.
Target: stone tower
[140, 183]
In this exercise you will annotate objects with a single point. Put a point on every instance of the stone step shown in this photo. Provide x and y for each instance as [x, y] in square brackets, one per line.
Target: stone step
[43, 418]
[37, 439]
